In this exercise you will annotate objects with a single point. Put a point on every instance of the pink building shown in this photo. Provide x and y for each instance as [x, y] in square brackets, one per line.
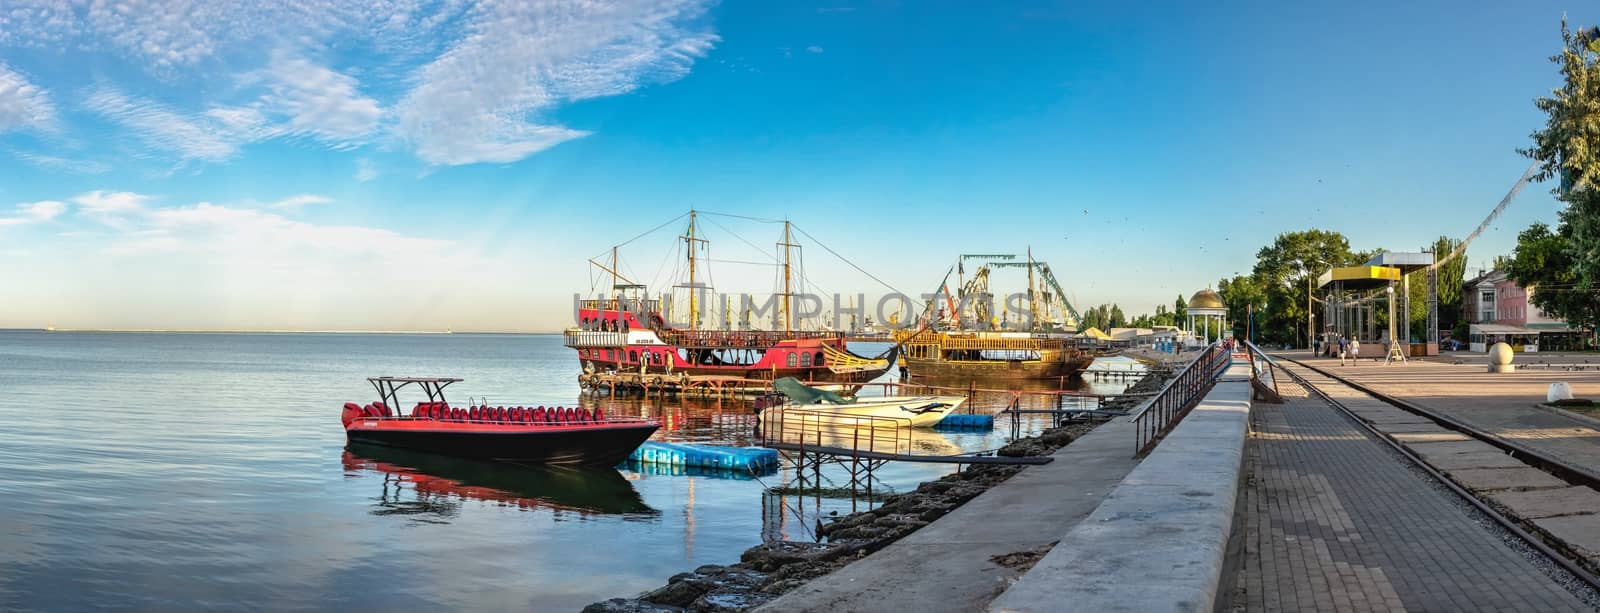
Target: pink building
[1501, 311]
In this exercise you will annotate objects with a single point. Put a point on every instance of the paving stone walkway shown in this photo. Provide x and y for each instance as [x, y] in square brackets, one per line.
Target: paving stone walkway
[1335, 521]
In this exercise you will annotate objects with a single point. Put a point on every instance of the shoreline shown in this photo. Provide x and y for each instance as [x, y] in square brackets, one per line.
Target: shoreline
[769, 570]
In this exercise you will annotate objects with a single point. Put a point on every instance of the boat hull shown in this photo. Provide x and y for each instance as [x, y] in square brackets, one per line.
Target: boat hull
[995, 369]
[588, 445]
[920, 411]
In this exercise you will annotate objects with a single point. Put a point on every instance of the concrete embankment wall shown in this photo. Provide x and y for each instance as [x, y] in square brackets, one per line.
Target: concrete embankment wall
[1159, 542]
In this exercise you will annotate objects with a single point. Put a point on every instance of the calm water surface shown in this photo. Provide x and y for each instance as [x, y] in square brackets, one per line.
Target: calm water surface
[159, 471]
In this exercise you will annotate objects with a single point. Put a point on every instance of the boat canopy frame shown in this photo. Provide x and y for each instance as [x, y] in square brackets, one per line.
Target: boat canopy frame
[389, 388]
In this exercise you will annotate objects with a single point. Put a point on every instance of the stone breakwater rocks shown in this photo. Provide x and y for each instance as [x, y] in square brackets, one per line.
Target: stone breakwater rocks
[766, 571]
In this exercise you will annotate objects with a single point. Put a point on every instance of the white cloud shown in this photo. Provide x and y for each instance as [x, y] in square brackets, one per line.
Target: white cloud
[814, 49]
[23, 104]
[365, 170]
[35, 212]
[55, 162]
[295, 202]
[167, 35]
[212, 136]
[302, 99]
[479, 100]
[107, 203]
[321, 103]
[477, 80]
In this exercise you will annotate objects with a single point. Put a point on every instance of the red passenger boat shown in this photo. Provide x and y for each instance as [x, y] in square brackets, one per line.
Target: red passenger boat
[541, 435]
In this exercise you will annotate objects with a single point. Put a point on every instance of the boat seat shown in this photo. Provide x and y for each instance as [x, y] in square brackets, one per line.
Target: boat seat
[584, 415]
[499, 415]
[472, 414]
[440, 411]
[458, 414]
[383, 410]
[514, 415]
[599, 415]
[538, 416]
[351, 412]
[570, 415]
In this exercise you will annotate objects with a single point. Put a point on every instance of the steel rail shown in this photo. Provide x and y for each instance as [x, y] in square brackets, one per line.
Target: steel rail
[1568, 564]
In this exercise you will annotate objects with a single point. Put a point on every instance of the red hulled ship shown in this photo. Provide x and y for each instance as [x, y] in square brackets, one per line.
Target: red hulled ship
[629, 333]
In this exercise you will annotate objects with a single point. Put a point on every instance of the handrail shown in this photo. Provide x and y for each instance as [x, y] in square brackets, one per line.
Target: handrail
[1261, 363]
[807, 428]
[1161, 413]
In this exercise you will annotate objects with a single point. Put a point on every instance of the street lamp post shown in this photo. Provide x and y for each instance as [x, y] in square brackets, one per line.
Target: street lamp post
[1250, 323]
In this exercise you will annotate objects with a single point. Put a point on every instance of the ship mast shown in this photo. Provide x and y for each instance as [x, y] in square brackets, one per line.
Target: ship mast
[692, 242]
[1033, 295]
[788, 273]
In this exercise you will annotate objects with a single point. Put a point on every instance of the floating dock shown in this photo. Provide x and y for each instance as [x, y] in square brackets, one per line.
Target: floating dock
[756, 461]
[965, 423]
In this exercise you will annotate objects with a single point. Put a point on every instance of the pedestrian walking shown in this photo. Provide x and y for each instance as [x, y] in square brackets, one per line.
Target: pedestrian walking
[1355, 351]
[1344, 345]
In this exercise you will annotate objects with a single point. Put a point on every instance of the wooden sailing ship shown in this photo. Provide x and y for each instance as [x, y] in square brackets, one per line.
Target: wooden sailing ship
[962, 339]
[630, 333]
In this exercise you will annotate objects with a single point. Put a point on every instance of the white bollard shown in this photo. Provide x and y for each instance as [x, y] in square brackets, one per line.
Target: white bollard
[1500, 358]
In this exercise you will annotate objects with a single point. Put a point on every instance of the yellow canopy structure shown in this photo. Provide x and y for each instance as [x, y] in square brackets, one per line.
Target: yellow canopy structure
[1360, 277]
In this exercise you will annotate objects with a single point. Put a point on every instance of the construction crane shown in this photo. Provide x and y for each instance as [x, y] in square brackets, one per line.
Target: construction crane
[1069, 315]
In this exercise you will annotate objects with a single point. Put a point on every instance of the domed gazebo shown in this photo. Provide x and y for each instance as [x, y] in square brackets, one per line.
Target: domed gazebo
[1205, 306]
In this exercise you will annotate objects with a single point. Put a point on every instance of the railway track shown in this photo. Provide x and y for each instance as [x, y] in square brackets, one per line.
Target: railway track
[1565, 555]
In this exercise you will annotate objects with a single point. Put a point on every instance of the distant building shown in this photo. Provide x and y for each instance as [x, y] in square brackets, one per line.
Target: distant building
[1498, 310]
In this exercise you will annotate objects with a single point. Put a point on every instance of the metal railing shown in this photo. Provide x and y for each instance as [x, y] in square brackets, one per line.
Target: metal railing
[593, 338]
[1263, 372]
[834, 432]
[737, 339]
[1161, 413]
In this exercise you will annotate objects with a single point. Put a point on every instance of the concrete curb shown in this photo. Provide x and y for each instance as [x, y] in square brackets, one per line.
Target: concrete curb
[1160, 541]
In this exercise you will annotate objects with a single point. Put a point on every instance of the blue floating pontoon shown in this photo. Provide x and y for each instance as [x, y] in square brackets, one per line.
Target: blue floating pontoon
[957, 421]
[706, 456]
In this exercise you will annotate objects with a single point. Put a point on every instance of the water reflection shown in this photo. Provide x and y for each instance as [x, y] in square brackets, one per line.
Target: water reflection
[426, 487]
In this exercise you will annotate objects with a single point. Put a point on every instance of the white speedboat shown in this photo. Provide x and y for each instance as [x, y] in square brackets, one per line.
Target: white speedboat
[819, 405]
[923, 411]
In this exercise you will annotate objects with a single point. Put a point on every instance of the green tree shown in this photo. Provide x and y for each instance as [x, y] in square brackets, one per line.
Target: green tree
[1287, 271]
[1116, 318]
[1451, 275]
[1568, 147]
[1543, 263]
[1238, 294]
[1180, 309]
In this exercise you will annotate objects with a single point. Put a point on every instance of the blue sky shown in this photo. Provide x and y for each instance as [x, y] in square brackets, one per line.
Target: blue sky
[431, 165]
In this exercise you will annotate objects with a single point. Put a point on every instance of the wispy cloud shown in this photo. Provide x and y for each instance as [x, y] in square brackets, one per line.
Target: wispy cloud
[480, 100]
[295, 202]
[212, 136]
[55, 162]
[23, 104]
[321, 103]
[365, 170]
[472, 81]
[169, 35]
[35, 212]
[814, 49]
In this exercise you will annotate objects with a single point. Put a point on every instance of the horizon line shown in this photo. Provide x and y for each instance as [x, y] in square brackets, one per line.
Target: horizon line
[265, 331]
